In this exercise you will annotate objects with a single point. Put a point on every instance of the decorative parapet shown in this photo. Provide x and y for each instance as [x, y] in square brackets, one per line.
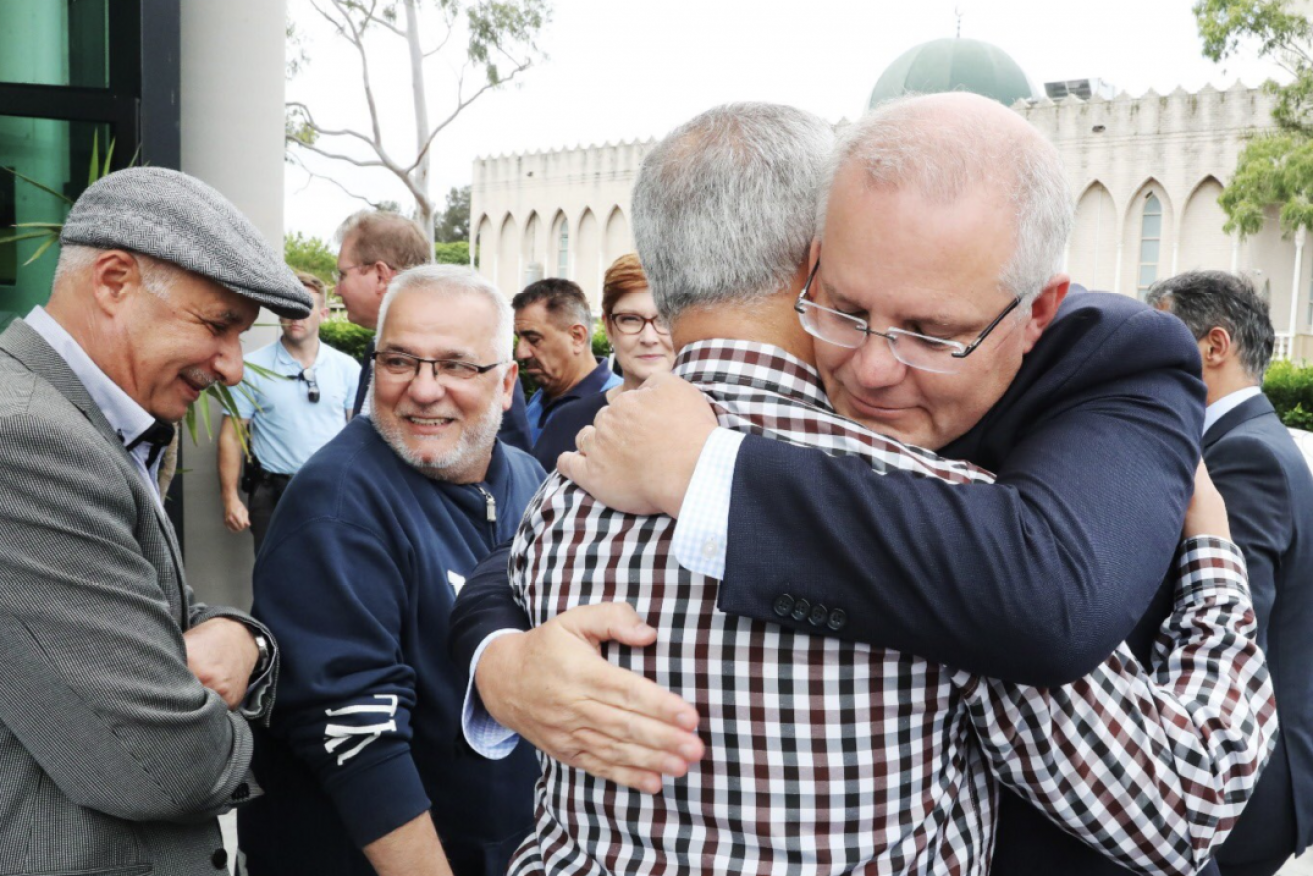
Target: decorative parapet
[580, 163]
[1207, 111]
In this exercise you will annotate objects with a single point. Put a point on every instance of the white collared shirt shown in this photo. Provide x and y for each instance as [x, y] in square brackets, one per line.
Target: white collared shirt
[125, 416]
[1227, 403]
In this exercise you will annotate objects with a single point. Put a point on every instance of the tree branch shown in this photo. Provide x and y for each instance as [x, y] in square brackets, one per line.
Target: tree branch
[461, 104]
[316, 175]
[445, 38]
[356, 38]
[329, 132]
[358, 162]
[381, 22]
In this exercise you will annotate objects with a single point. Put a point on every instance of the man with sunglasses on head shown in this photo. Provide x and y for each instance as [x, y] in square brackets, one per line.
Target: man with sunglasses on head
[363, 767]
[291, 411]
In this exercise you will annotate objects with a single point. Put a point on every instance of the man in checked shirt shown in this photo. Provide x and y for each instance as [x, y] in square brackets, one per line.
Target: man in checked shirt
[830, 757]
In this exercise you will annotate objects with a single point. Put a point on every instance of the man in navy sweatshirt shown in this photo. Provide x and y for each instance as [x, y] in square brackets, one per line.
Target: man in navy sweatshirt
[364, 767]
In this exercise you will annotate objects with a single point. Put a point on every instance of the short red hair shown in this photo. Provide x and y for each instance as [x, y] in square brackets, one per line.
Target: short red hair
[624, 276]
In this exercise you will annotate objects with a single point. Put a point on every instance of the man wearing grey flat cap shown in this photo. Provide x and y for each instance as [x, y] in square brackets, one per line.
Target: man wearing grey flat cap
[123, 701]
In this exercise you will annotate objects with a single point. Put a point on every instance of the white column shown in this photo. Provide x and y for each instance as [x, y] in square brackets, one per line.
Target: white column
[1295, 283]
[1117, 271]
[1235, 255]
[231, 107]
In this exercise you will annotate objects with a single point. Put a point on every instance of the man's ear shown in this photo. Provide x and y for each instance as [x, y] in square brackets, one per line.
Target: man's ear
[115, 276]
[1216, 346]
[1044, 309]
[508, 386]
[383, 271]
[581, 336]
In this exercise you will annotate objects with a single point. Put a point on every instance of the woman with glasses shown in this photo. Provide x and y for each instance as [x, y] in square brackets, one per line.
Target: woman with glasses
[642, 345]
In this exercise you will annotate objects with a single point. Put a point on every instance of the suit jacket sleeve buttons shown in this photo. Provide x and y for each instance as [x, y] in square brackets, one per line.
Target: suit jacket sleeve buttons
[838, 618]
[819, 615]
[219, 859]
[783, 604]
[801, 609]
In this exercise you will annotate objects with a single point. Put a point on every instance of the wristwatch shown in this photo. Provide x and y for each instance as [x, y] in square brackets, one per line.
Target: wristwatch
[266, 653]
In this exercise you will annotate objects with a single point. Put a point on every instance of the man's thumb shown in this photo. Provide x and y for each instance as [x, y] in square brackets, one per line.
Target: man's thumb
[613, 621]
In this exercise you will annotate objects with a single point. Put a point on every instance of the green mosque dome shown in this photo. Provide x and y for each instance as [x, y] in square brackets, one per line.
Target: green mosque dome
[954, 65]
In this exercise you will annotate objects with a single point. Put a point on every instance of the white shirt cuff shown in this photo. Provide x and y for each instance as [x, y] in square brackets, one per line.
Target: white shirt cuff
[702, 531]
[481, 730]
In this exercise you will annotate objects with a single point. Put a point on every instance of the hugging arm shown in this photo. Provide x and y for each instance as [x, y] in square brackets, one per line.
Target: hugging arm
[1034, 579]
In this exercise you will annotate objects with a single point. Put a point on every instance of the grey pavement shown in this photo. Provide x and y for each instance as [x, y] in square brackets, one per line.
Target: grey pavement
[1301, 866]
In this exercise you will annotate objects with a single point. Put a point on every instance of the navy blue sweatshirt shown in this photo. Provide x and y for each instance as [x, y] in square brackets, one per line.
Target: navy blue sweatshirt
[356, 580]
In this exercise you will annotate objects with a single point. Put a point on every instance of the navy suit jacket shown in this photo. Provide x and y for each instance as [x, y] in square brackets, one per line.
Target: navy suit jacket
[1035, 579]
[1269, 498]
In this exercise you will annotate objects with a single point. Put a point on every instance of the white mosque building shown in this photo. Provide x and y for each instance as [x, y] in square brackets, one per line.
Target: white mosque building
[1146, 172]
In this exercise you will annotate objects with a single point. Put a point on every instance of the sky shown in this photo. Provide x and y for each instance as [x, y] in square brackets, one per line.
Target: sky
[622, 70]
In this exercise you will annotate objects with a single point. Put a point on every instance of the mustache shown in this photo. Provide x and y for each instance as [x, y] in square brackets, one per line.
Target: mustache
[436, 412]
[529, 363]
[200, 378]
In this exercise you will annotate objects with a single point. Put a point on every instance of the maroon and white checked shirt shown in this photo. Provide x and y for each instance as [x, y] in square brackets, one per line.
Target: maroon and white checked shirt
[826, 756]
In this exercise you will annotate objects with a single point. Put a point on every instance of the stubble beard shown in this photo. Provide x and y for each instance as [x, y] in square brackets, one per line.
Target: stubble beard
[458, 464]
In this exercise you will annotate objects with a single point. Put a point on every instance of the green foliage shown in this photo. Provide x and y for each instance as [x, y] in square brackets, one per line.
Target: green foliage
[310, 254]
[1290, 389]
[346, 336]
[501, 27]
[601, 344]
[456, 252]
[453, 223]
[1278, 168]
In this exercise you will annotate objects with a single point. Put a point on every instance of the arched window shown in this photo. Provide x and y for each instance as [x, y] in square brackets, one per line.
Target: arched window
[563, 250]
[1151, 233]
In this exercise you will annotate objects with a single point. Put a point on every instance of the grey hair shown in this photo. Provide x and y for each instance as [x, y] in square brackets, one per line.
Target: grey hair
[723, 206]
[910, 142]
[445, 280]
[157, 277]
[1205, 300]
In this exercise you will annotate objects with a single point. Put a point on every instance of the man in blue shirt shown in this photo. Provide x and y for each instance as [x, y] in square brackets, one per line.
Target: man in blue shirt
[291, 416]
[554, 346]
[364, 769]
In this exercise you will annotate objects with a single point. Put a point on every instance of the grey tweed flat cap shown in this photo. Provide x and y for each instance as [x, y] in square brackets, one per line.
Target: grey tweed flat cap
[178, 219]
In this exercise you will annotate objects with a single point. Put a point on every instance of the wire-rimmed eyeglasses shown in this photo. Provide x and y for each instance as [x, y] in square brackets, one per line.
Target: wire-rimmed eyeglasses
[404, 366]
[937, 355]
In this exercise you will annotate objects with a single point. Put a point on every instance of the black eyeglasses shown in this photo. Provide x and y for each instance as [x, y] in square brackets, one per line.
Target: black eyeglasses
[312, 386]
[937, 355]
[398, 365]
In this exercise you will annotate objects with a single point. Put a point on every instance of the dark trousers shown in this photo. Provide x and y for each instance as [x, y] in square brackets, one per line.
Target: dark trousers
[1254, 868]
[261, 501]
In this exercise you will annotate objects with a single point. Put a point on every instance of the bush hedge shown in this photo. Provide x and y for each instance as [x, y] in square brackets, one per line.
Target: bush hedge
[1290, 387]
[345, 336]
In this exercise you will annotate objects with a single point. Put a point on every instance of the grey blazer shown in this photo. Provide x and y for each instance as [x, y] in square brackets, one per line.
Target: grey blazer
[113, 758]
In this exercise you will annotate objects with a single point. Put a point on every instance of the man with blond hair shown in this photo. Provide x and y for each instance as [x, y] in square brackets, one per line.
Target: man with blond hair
[373, 247]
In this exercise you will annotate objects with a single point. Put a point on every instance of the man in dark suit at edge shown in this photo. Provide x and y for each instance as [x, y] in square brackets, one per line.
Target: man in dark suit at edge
[1094, 435]
[1269, 498]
